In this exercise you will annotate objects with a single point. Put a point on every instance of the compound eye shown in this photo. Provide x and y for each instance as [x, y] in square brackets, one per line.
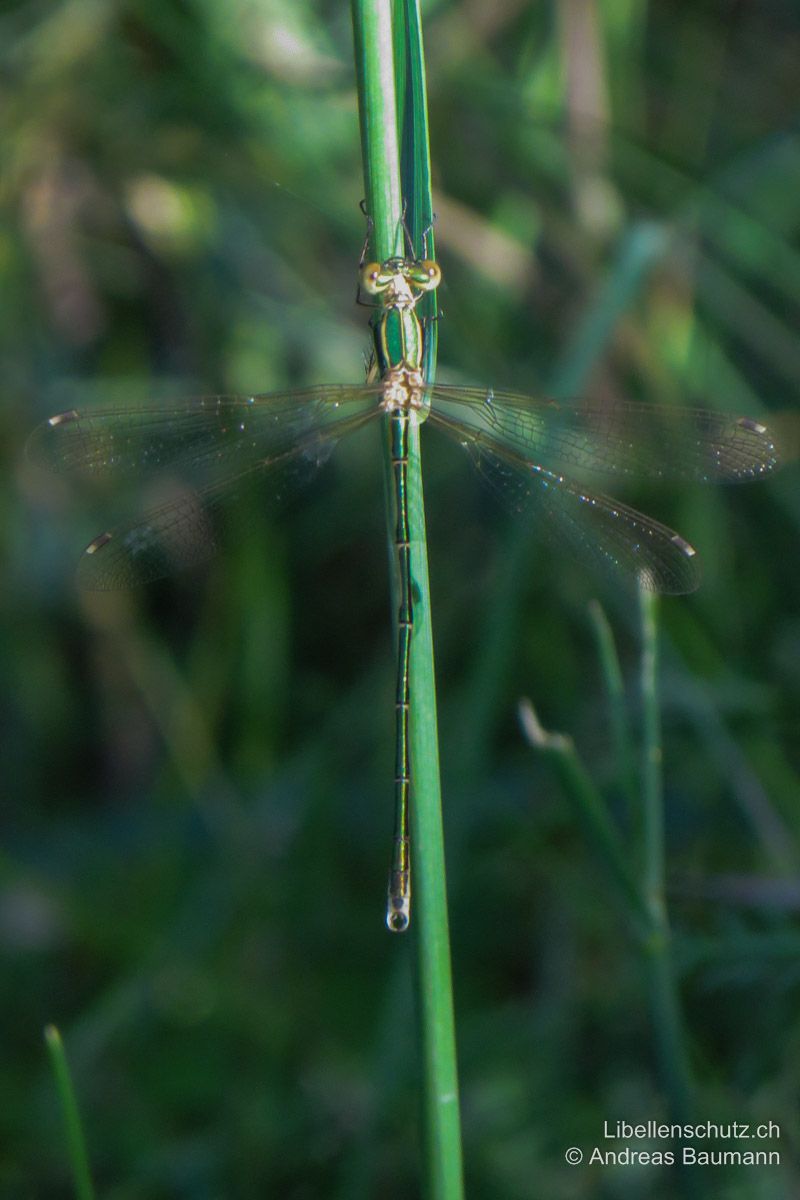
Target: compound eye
[371, 278]
[433, 274]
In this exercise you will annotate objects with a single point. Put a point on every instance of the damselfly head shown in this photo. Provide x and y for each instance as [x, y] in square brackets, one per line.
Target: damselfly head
[400, 276]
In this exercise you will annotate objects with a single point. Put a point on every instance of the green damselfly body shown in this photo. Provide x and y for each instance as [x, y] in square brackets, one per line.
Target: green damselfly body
[535, 453]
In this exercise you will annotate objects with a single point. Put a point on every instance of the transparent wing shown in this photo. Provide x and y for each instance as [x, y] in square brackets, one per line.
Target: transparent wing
[620, 438]
[595, 527]
[203, 437]
[218, 444]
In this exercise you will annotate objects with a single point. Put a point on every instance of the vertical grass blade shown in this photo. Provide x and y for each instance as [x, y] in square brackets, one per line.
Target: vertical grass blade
[652, 787]
[415, 159]
[380, 150]
[76, 1143]
[618, 715]
[387, 41]
[665, 1006]
[641, 888]
[590, 810]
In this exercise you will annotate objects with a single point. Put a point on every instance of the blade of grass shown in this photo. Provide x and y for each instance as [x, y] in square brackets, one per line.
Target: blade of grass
[415, 160]
[644, 899]
[591, 811]
[76, 1142]
[378, 31]
[374, 62]
[666, 1013]
[652, 788]
[615, 689]
[443, 1126]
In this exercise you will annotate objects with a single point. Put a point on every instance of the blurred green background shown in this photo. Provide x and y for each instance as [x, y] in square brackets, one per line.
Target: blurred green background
[197, 776]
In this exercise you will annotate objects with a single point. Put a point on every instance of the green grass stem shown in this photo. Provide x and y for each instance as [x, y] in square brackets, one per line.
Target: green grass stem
[373, 38]
[652, 784]
[383, 37]
[415, 162]
[665, 1002]
[76, 1142]
[618, 712]
[591, 811]
[643, 894]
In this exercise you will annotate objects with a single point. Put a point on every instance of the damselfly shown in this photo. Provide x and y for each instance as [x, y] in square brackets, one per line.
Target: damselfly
[533, 452]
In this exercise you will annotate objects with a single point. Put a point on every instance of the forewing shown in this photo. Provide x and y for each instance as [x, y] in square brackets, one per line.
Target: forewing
[619, 438]
[203, 438]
